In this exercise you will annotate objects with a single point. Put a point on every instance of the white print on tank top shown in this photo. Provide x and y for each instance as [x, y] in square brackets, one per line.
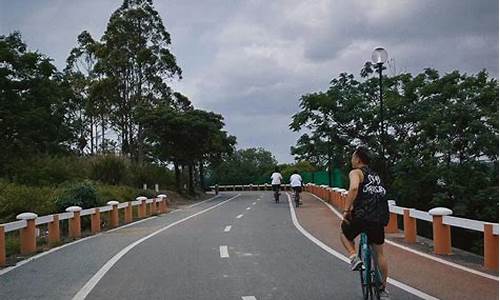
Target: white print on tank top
[373, 186]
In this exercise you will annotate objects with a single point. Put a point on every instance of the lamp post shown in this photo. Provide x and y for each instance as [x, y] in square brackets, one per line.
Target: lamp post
[379, 57]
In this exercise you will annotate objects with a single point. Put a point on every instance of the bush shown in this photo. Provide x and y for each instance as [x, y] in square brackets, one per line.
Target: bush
[119, 193]
[82, 194]
[151, 174]
[16, 199]
[47, 170]
[109, 169]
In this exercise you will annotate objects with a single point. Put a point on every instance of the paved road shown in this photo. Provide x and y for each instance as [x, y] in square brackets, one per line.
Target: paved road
[267, 258]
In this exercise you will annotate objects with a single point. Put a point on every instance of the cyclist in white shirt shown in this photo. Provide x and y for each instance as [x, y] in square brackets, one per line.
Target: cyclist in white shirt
[276, 179]
[296, 183]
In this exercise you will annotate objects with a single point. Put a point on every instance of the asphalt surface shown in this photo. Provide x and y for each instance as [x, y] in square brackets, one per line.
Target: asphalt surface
[268, 259]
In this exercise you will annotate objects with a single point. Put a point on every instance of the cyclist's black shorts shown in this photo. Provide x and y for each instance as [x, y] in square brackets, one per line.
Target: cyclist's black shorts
[276, 187]
[374, 231]
[297, 189]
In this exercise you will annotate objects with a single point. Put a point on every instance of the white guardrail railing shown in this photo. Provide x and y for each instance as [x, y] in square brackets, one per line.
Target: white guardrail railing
[29, 221]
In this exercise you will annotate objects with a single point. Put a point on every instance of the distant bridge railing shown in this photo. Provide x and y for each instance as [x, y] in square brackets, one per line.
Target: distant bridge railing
[440, 217]
[28, 222]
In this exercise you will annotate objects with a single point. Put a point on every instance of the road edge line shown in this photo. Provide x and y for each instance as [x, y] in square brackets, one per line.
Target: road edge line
[445, 262]
[94, 280]
[340, 256]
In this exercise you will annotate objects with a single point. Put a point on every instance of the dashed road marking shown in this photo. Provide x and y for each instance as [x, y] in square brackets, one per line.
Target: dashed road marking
[248, 208]
[94, 280]
[254, 203]
[248, 298]
[224, 253]
[227, 229]
[239, 216]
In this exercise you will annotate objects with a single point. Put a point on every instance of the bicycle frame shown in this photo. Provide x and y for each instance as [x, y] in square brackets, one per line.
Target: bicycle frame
[370, 277]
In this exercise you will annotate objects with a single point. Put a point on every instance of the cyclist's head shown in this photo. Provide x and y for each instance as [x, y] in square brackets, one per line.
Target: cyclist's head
[361, 156]
[295, 171]
[276, 169]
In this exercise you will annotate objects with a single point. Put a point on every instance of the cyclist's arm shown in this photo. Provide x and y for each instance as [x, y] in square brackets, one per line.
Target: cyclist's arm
[354, 180]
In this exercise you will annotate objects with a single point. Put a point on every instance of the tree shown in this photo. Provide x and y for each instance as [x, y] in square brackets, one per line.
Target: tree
[440, 130]
[135, 56]
[33, 114]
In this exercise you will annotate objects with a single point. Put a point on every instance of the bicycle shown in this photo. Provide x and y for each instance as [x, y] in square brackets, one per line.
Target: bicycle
[296, 197]
[277, 195]
[371, 279]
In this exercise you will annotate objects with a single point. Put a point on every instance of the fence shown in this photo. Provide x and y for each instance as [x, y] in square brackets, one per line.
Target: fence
[441, 220]
[28, 222]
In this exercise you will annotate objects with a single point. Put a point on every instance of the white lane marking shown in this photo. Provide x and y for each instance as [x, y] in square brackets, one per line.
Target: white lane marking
[254, 203]
[35, 257]
[196, 204]
[227, 229]
[248, 208]
[325, 247]
[451, 264]
[248, 298]
[239, 216]
[224, 253]
[89, 286]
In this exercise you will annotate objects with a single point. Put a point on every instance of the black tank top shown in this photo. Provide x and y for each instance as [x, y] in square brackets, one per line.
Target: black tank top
[370, 204]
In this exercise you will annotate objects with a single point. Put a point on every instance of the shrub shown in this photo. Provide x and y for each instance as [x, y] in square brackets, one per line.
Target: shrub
[16, 199]
[119, 193]
[109, 169]
[151, 174]
[47, 170]
[83, 194]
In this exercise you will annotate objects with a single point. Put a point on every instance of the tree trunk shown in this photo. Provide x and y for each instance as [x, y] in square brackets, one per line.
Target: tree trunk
[177, 176]
[91, 135]
[103, 130]
[191, 178]
[202, 176]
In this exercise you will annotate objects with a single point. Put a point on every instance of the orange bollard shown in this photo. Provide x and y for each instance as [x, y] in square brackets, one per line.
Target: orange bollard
[95, 221]
[392, 226]
[163, 203]
[490, 248]
[75, 228]
[128, 213]
[142, 206]
[54, 230]
[410, 227]
[114, 217]
[2, 247]
[28, 233]
[441, 232]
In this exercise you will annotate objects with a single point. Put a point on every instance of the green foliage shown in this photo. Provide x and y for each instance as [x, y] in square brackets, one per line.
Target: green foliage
[32, 108]
[245, 166]
[47, 170]
[109, 169]
[440, 140]
[83, 194]
[118, 193]
[16, 199]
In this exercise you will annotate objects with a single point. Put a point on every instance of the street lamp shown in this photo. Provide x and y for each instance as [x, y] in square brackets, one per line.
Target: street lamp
[379, 57]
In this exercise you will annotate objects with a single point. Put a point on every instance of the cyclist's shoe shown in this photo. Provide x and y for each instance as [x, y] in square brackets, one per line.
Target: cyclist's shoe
[356, 263]
[384, 295]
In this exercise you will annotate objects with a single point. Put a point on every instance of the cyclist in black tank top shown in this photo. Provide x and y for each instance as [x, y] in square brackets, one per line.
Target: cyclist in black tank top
[365, 210]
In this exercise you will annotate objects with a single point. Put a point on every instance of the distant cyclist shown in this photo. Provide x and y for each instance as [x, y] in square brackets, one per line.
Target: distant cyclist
[296, 183]
[276, 180]
[365, 210]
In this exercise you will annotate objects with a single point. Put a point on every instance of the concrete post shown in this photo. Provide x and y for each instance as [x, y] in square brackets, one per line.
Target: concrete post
[410, 227]
[27, 234]
[441, 232]
[54, 231]
[392, 226]
[95, 221]
[113, 214]
[490, 248]
[75, 228]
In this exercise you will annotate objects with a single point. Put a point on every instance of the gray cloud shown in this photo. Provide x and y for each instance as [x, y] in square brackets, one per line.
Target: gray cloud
[252, 60]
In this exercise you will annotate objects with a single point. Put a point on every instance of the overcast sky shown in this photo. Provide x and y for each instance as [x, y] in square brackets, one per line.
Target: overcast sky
[251, 60]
